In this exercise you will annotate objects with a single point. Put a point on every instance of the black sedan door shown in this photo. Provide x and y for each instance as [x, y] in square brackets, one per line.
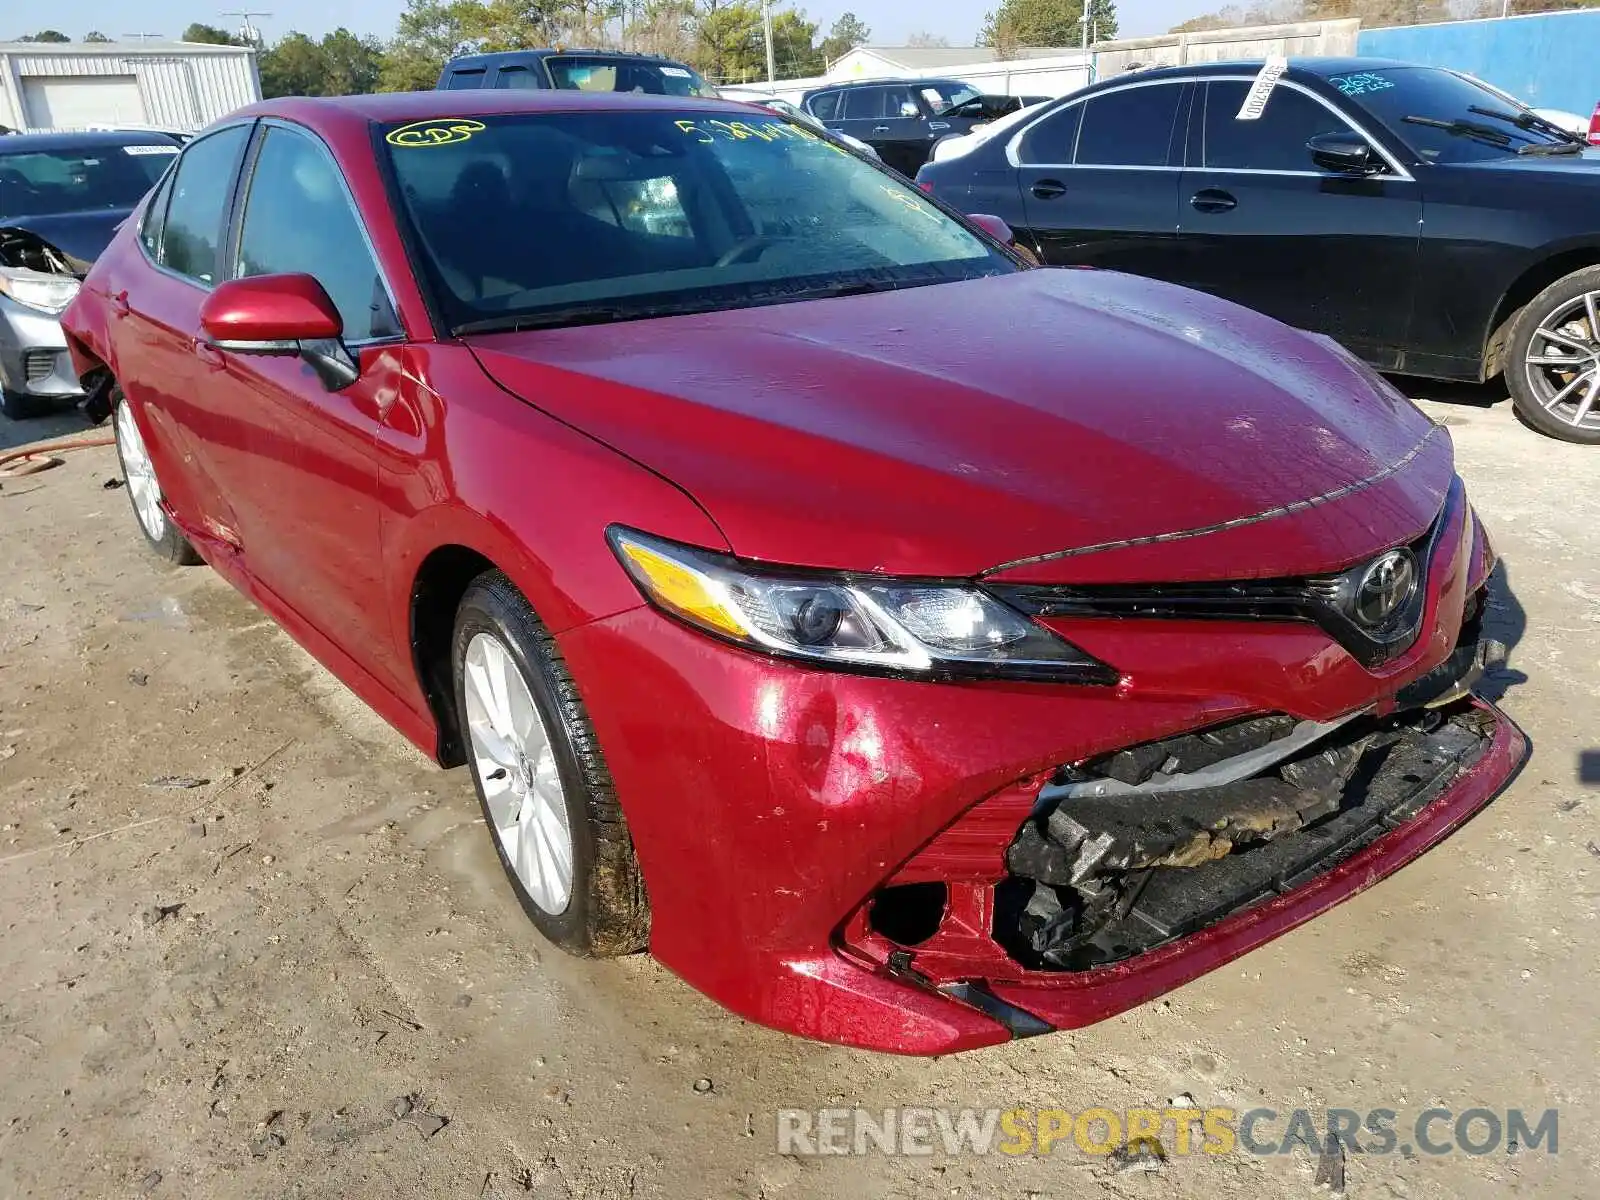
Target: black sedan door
[888, 118]
[1266, 226]
[1099, 179]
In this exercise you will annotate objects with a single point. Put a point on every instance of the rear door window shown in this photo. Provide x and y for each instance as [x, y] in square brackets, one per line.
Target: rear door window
[825, 107]
[1275, 141]
[1131, 127]
[471, 77]
[198, 210]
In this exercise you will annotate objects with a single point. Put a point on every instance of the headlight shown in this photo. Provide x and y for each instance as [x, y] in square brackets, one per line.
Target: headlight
[934, 630]
[48, 293]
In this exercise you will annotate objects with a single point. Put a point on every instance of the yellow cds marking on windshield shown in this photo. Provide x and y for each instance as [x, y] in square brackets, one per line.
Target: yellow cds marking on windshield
[902, 197]
[436, 131]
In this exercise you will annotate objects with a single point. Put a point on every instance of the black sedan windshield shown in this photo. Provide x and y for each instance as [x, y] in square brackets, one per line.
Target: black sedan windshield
[1444, 117]
[606, 73]
[41, 183]
[573, 217]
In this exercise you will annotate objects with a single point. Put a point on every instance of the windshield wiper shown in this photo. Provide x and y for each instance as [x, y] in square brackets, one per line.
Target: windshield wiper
[555, 318]
[1532, 120]
[1472, 129]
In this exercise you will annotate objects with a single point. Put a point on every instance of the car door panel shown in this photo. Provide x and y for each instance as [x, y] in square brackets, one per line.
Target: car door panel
[1263, 225]
[168, 382]
[1098, 184]
[307, 498]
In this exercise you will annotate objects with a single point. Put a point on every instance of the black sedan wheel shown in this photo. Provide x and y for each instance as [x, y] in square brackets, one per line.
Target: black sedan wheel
[1553, 367]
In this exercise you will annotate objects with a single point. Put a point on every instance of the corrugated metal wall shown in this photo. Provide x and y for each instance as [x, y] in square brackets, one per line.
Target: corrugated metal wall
[180, 88]
[1550, 60]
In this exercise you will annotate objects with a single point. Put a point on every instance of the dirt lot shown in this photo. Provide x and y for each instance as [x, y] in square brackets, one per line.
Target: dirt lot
[321, 927]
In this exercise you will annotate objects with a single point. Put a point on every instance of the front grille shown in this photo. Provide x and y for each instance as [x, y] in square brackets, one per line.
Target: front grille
[1321, 600]
[38, 365]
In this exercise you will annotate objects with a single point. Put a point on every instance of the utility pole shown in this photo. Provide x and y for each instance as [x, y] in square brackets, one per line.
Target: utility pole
[766, 27]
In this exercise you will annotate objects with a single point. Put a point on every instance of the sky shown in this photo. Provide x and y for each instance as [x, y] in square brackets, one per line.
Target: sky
[891, 21]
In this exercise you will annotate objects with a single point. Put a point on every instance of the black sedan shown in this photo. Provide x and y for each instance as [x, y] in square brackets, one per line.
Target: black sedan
[1428, 223]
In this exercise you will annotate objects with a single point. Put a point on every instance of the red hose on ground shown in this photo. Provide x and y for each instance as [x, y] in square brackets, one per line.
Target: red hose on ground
[41, 451]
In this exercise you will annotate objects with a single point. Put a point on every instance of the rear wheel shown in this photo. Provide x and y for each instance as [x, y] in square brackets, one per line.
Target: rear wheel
[546, 794]
[144, 490]
[1553, 360]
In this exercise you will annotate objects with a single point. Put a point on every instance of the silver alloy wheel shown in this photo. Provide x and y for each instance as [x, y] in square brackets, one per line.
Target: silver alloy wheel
[516, 766]
[1563, 362]
[141, 473]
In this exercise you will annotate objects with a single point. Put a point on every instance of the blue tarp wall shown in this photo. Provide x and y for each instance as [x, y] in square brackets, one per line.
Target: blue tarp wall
[1549, 60]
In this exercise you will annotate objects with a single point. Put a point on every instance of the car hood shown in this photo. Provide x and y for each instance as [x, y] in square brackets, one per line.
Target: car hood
[82, 236]
[953, 429]
[1584, 166]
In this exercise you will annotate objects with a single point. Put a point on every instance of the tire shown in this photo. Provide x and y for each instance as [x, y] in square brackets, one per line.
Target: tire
[605, 910]
[1547, 397]
[144, 490]
[19, 407]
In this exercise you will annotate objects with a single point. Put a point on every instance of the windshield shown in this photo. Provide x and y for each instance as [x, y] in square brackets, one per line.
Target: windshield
[1454, 131]
[575, 72]
[643, 213]
[943, 94]
[42, 183]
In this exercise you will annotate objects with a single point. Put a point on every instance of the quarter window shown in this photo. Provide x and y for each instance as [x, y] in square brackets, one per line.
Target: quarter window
[298, 220]
[1052, 141]
[1129, 128]
[1276, 141]
[198, 210]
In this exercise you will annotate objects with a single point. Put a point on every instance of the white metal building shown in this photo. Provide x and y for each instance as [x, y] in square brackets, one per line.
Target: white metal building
[169, 85]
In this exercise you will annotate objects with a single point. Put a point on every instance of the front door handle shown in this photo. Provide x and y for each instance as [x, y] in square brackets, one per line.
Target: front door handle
[1213, 200]
[1048, 189]
[881, 129]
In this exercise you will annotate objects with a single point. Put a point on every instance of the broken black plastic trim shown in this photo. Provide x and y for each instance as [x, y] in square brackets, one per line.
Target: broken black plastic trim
[25, 250]
[1098, 879]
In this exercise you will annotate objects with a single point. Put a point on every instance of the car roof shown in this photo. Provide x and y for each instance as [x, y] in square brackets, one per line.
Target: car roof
[1319, 67]
[880, 80]
[477, 60]
[17, 143]
[328, 114]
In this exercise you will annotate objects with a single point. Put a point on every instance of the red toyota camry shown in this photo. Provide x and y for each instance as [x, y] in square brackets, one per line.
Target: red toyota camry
[913, 649]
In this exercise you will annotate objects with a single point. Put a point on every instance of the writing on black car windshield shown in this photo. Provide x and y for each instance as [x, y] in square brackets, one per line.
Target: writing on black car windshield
[565, 218]
[43, 182]
[1446, 118]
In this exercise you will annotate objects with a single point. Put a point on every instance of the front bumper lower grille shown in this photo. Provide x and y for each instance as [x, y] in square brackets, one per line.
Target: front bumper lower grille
[39, 365]
[1097, 879]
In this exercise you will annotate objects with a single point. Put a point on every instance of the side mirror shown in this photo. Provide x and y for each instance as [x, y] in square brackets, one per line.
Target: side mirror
[280, 314]
[1345, 152]
[994, 227]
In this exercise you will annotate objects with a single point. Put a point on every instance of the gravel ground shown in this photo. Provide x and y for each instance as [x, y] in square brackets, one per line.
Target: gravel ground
[235, 988]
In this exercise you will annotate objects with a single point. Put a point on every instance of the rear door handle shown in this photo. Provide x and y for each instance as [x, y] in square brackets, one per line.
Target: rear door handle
[209, 355]
[1213, 200]
[881, 129]
[1048, 189]
[119, 304]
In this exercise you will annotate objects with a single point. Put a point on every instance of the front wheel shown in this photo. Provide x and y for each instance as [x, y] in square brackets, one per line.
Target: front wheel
[546, 794]
[144, 490]
[1553, 359]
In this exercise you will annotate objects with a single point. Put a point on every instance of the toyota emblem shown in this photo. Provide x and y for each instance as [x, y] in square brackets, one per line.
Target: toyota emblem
[1386, 586]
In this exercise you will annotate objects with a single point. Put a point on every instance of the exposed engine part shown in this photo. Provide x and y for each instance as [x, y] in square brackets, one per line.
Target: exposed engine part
[1095, 879]
[25, 250]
